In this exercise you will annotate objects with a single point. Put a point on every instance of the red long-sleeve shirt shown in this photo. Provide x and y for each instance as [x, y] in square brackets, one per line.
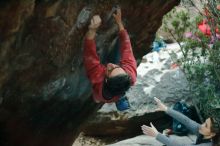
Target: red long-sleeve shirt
[96, 71]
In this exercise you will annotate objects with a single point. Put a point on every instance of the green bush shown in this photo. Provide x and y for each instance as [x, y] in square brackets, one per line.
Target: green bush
[201, 55]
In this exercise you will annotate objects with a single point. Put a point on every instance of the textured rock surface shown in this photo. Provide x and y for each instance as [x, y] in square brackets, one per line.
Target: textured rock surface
[157, 77]
[44, 93]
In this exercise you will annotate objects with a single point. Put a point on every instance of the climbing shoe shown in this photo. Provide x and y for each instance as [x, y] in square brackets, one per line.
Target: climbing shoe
[122, 104]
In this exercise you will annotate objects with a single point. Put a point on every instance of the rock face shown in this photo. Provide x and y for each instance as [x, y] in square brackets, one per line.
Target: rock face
[158, 76]
[44, 93]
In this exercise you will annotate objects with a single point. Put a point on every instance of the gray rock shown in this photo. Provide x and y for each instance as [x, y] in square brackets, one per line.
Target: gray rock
[156, 80]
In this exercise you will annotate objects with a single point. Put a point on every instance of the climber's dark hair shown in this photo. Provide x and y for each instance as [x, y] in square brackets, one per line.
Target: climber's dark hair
[116, 86]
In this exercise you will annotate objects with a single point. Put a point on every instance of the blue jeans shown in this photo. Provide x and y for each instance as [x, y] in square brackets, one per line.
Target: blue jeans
[114, 55]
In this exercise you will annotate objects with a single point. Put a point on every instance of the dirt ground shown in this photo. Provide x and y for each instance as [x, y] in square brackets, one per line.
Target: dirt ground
[88, 141]
[83, 140]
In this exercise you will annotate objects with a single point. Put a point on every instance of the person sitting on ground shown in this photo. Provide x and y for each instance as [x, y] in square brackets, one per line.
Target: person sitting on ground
[208, 133]
[111, 81]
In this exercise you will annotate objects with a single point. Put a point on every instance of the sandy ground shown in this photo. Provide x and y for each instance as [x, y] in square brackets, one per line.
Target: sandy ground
[88, 141]
[83, 140]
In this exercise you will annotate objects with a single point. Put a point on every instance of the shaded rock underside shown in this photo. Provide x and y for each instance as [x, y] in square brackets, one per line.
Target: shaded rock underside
[44, 93]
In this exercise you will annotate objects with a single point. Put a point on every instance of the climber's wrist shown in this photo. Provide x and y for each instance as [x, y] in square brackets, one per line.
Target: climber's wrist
[121, 26]
[91, 33]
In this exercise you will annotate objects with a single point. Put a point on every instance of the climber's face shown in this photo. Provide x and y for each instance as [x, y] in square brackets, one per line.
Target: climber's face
[114, 70]
[205, 129]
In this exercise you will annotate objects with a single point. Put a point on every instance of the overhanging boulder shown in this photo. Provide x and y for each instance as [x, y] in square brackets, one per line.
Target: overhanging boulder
[44, 93]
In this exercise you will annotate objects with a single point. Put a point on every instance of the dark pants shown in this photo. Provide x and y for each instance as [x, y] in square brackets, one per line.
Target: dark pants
[113, 55]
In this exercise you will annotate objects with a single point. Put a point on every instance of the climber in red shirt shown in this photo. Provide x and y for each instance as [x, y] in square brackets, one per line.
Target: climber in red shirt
[111, 81]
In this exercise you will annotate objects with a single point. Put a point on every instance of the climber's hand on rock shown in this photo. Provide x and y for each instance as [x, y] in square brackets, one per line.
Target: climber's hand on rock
[118, 20]
[117, 16]
[161, 106]
[149, 131]
[95, 22]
